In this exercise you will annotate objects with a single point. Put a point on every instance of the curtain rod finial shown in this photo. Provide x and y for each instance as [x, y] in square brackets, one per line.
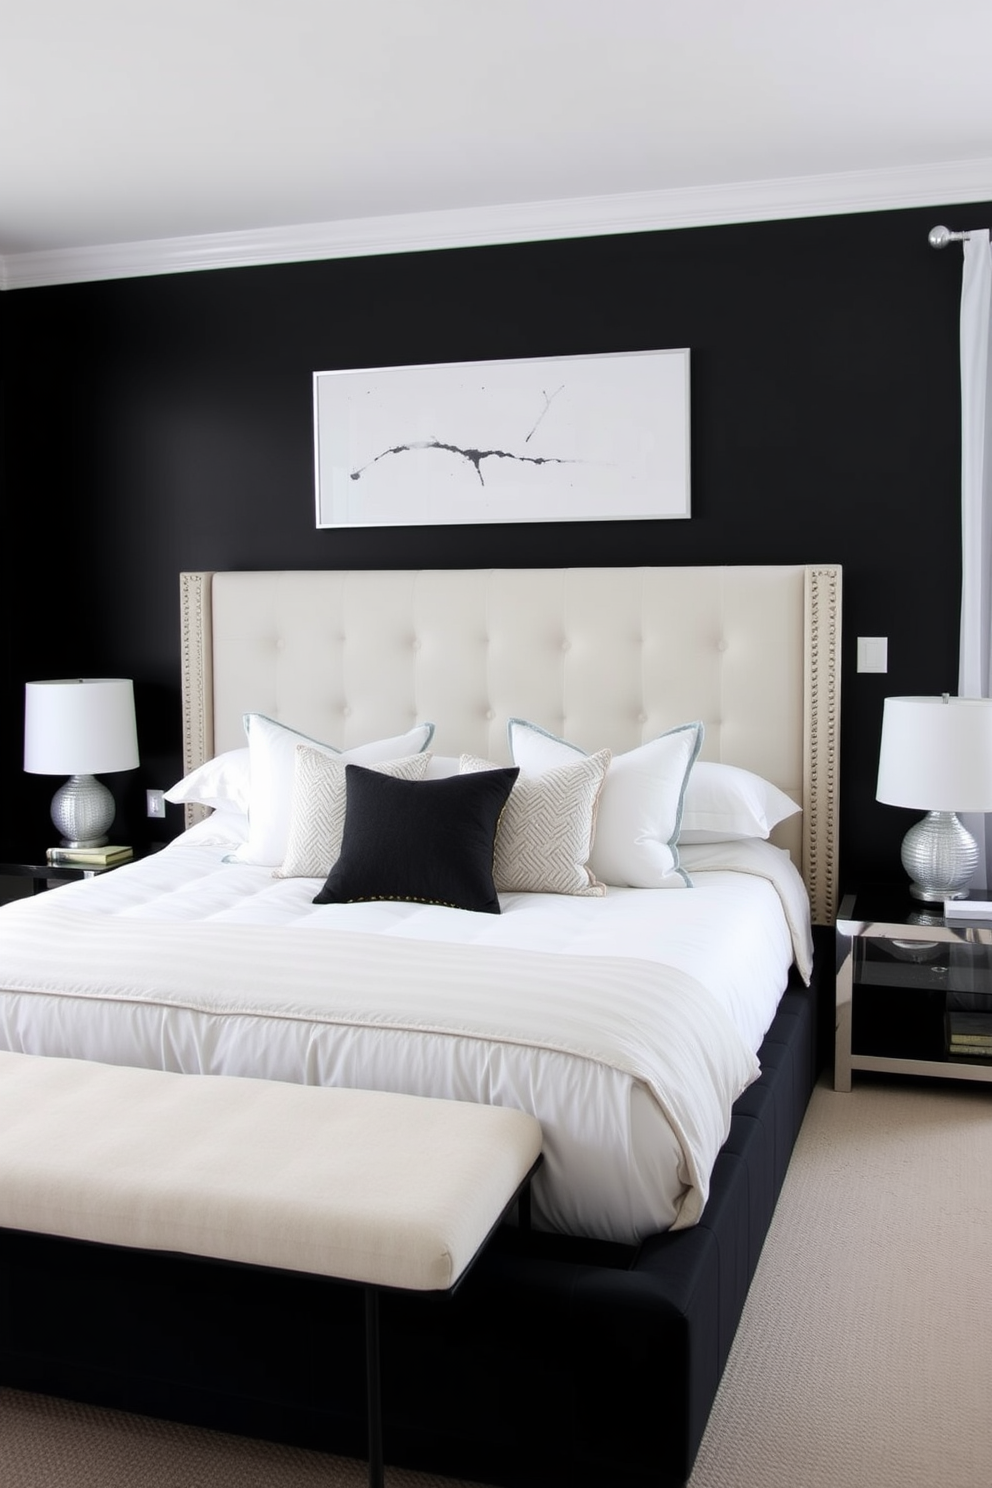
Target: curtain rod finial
[939, 237]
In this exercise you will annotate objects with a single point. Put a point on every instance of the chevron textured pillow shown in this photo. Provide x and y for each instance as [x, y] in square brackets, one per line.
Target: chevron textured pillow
[320, 801]
[546, 832]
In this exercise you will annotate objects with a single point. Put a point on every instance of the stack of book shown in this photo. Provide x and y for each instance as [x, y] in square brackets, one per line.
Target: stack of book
[969, 1035]
[88, 857]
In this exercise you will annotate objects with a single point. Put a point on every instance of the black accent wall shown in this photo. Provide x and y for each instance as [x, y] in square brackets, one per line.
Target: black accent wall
[164, 423]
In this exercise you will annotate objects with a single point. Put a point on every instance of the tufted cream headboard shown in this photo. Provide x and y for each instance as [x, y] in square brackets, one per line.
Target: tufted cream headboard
[601, 656]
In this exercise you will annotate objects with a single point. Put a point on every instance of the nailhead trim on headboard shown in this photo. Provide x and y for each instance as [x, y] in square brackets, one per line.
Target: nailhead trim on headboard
[197, 678]
[821, 794]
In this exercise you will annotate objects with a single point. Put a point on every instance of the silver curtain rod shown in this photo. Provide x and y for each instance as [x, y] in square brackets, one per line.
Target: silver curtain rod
[941, 236]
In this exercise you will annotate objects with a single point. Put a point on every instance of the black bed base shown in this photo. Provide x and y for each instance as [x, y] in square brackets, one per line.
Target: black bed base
[561, 1364]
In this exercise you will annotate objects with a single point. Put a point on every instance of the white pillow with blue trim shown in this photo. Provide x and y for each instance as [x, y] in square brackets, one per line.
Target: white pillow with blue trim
[272, 769]
[640, 807]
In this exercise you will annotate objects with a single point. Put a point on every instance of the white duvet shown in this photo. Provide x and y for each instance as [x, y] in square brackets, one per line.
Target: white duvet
[627, 1024]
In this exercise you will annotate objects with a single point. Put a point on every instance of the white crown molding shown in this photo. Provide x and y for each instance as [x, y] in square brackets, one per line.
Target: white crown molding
[576, 217]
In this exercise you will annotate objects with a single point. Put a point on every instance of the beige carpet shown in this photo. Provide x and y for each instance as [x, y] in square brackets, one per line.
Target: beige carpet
[864, 1358]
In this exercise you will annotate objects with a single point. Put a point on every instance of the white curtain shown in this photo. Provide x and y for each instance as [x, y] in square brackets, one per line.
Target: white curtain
[975, 668]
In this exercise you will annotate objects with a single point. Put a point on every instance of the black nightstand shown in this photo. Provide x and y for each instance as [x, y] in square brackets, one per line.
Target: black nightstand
[33, 865]
[905, 977]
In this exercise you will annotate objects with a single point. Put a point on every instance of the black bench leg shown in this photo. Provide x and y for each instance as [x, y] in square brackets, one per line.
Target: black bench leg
[372, 1375]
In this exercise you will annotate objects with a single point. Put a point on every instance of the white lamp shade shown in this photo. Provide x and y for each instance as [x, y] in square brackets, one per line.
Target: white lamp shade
[936, 753]
[80, 726]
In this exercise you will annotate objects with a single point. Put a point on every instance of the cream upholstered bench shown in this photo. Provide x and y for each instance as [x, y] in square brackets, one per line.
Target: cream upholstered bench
[388, 1191]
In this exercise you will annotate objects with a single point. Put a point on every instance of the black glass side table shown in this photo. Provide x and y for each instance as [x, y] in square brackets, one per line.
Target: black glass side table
[44, 875]
[914, 989]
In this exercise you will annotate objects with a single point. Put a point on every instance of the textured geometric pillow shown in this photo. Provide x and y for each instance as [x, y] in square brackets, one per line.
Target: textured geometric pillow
[428, 841]
[640, 809]
[320, 800]
[546, 833]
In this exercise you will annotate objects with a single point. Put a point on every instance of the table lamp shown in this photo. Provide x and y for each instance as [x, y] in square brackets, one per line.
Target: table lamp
[78, 726]
[936, 754]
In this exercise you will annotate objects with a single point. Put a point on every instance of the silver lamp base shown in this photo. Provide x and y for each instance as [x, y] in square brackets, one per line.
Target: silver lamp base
[940, 856]
[83, 811]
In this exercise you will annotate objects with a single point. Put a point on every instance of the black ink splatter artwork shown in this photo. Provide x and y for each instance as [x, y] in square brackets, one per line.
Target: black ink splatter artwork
[547, 404]
[474, 457]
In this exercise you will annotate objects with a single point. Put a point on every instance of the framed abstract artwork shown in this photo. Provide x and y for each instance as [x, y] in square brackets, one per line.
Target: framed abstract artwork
[539, 439]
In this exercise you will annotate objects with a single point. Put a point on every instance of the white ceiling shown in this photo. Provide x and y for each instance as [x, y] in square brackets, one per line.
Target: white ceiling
[123, 122]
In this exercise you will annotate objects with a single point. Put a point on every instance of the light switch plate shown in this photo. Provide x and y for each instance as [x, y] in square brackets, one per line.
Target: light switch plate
[873, 653]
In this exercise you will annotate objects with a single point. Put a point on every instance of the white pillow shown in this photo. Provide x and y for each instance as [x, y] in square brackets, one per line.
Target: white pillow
[640, 809]
[724, 803]
[319, 805]
[546, 831]
[272, 756]
[222, 782]
[442, 766]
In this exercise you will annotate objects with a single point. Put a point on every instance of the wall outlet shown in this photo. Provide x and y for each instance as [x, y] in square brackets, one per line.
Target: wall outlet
[155, 802]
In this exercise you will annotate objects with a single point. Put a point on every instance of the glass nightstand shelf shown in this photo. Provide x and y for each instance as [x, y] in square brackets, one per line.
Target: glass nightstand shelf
[33, 865]
[914, 991]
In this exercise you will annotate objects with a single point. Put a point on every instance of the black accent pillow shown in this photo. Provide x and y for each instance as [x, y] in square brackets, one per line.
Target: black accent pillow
[431, 841]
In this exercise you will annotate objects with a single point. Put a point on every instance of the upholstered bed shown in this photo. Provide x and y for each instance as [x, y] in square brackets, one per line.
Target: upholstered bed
[527, 837]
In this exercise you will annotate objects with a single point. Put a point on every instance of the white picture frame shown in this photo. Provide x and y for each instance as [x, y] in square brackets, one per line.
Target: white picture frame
[537, 439]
